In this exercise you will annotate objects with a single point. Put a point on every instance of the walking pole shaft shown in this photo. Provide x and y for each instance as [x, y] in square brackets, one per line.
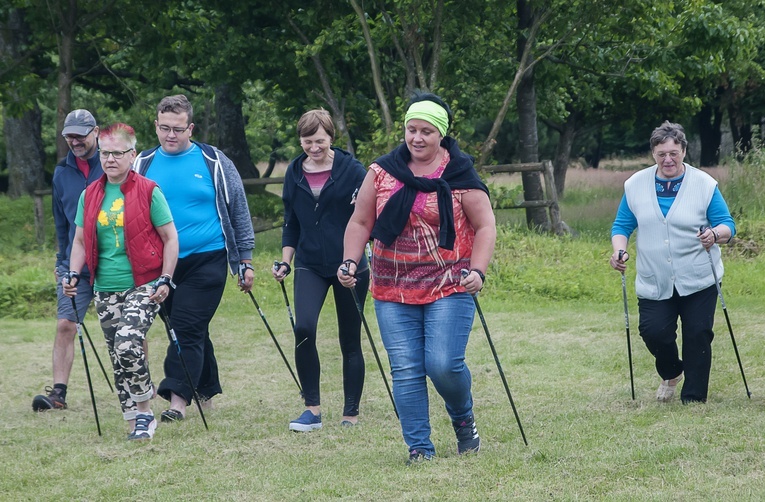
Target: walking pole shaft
[276, 342]
[287, 302]
[374, 349]
[174, 340]
[465, 273]
[103, 370]
[627, 327]
[499, 367]
[702, 229]
[85, 363]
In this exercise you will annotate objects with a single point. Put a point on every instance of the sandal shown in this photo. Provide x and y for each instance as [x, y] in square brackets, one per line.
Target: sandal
[171, 415]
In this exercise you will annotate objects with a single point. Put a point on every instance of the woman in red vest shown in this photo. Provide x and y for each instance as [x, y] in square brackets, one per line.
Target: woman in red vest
[126, 236]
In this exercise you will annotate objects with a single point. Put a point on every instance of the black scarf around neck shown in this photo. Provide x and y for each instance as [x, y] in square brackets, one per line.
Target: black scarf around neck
[459, 174]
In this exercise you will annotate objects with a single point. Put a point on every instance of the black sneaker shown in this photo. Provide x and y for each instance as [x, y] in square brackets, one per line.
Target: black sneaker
[467, 435]
[418, 456]
[53, 401]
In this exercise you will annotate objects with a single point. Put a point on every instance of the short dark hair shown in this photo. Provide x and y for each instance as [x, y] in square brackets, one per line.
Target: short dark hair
[668, 130]
[176, 104]
[418, 96]
[311, 120]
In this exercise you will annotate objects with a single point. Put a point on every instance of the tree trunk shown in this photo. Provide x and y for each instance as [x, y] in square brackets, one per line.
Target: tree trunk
[406, 62]
[526, 101]
[229, 124]
[376, 78]
[338, 114]
[437, 39]
[741, 130]
[709, 120]
[24, 153]
[563, 151]
[67, 13]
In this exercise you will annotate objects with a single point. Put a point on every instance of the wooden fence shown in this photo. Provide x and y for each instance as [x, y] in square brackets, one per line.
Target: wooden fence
[260, 225]
[545, 168]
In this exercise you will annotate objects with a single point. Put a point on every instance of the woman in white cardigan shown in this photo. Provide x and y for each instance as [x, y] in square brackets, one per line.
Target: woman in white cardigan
[681, 217]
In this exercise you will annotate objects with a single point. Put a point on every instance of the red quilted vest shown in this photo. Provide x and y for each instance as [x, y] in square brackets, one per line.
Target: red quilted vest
[143, 245]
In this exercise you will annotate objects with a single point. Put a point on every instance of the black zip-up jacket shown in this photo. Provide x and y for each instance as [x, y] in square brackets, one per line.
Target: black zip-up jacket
[316, 228]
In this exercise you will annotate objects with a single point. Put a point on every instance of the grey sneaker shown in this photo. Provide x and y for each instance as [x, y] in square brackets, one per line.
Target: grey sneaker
[666, 390]
[145, 425]
[467, 435]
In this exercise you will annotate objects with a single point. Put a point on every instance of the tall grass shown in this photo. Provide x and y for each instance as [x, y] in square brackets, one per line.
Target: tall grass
[745, 190]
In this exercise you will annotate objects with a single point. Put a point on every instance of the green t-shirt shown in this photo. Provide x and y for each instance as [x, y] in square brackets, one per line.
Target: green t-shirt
[114, 272]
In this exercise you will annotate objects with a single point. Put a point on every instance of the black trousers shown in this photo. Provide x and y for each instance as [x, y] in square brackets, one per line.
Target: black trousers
[310, 293]
[200, 280]
[658, 328]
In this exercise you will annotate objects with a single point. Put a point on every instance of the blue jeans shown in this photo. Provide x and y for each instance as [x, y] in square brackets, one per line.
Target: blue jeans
[427, 340]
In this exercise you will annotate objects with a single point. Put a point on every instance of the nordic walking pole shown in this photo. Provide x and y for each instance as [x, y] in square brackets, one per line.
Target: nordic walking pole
[360, 308]
[703, 229]
[277, 265]
[85, 361]
[465, 273]
[279, 348]
[174, 340]
[96, 354]
[627, 324]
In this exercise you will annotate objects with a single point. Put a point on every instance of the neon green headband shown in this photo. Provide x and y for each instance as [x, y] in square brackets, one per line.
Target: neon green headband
[430, 112]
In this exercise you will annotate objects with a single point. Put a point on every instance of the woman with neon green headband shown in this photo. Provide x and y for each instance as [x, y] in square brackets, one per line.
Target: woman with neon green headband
[430, 217]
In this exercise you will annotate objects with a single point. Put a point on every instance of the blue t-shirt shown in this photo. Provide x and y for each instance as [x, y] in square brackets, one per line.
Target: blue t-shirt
[190, 192]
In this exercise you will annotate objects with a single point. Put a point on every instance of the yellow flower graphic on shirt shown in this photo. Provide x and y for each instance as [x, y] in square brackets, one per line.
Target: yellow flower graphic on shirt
[113, 218]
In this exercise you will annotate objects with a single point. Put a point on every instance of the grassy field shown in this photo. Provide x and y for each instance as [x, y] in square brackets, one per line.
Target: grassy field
[554, 308]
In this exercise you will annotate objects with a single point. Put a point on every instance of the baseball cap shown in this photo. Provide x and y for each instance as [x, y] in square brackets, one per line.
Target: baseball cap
[79, 122]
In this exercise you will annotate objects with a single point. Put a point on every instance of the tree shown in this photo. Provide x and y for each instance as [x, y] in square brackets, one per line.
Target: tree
[22, 125]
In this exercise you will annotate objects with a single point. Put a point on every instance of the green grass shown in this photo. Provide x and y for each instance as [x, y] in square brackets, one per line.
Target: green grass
[566, 363]
[554, 309]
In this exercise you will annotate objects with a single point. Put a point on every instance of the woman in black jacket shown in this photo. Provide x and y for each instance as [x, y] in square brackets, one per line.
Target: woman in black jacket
[320, 188]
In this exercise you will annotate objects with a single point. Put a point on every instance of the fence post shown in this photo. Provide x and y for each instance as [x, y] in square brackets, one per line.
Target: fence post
[40, 215]
[552, 196]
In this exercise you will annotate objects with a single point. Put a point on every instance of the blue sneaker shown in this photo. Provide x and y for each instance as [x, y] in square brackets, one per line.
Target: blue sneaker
[306, 422]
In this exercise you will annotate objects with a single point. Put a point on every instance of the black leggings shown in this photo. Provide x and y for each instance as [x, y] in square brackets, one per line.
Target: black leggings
[310, 293]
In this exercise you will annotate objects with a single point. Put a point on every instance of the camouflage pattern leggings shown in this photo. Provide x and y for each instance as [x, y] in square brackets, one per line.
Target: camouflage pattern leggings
[125, 319]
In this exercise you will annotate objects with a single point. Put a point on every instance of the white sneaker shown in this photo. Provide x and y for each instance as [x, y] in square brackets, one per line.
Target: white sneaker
[666, 390]
[145, 425]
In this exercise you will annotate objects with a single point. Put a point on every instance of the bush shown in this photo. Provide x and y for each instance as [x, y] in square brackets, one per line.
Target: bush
[745, 191]
[27, 292]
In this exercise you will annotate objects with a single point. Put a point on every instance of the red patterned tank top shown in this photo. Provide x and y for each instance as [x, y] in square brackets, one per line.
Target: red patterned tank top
[414, 270]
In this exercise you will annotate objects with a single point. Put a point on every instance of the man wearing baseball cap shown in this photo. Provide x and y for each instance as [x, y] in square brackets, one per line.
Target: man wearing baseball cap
[78, 169]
